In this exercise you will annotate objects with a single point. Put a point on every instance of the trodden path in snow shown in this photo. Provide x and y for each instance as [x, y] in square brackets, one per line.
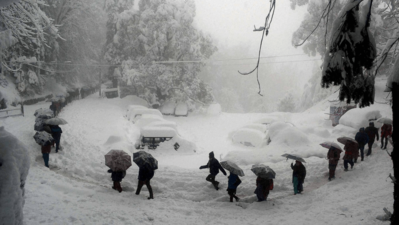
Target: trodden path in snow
[77, 189]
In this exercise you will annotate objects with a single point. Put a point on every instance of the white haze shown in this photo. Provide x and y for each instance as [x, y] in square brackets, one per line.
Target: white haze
[231, 24]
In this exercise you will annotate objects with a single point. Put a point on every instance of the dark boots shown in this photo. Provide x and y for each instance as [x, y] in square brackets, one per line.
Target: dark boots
[117, 186]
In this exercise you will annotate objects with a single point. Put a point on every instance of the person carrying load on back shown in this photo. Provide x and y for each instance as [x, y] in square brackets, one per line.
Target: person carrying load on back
[214, 167]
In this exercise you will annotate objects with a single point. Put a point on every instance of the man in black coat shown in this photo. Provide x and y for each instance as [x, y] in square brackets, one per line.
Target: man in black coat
[214, 167]
[372, 132]
[146, 173]
[117, 177]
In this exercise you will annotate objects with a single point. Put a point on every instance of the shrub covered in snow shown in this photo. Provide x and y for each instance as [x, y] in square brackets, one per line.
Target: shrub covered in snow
[359, 117]
[14, 167]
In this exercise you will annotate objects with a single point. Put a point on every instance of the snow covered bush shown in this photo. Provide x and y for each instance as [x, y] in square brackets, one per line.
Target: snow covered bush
[14, 167]
[287, 104]
[214, 109]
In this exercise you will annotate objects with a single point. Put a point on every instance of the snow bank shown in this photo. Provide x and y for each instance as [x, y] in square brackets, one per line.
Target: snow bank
[287, 135]
[181, 109]
[214, 109]
[359, 117]
[249, 137]
[14, 167]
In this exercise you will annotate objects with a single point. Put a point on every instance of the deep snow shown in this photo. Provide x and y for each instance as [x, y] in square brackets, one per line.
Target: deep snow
[77, 188]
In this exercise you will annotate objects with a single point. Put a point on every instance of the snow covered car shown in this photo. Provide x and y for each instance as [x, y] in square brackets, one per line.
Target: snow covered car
[151, 136]
[181, 109]
[249, 137]
[168, 108]
[130, 109]
[146, 119]
[164, 123]
[135, 114]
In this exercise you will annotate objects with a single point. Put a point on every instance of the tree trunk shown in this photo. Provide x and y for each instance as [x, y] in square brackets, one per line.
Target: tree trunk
[395, 155]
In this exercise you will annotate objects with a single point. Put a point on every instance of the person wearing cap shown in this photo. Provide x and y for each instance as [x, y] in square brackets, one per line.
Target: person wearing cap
[214, 167]
[372, 132]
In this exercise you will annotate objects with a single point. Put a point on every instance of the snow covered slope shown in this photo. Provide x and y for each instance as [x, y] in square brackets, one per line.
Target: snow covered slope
[77, 188]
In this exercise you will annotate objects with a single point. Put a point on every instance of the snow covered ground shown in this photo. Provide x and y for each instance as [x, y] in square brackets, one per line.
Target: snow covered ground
[77, 188]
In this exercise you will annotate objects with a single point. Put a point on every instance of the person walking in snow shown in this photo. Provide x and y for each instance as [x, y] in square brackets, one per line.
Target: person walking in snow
[372, 132]
[362, 139]
[233, 183]
[386, 130]
[146, 173]
[333, 158]
[263, 187]
[351, 153]
[298, 176]
[46, 149]
[214, 167]
[117, 177]
[56, 133]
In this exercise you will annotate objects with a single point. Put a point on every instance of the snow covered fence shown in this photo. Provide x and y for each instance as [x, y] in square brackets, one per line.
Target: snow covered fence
[14, 167]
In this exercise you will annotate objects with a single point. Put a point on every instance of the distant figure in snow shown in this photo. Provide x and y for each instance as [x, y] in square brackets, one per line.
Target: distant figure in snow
[362, 139]
[214, 167]
[146, 173]
[351, 153]
[233, 183]
[53, 108]
[263, 187]
[117, 177]
[298, 176]
[46, 149]
[372, 132]
[56, 133]
[333, 158]
[386, 130]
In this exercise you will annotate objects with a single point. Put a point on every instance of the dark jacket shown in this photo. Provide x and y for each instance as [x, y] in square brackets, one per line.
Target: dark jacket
[117, 176]
[333, 155]
[362, 138]
[372, 132]
[145, 173]
[214, 167]
[299, 171]
[351, 150]
[386, 130]
[46, 149]
[56, 131]
[234, 181]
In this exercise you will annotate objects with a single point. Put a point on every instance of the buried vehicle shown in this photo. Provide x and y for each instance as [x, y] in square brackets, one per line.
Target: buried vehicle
[151, 136]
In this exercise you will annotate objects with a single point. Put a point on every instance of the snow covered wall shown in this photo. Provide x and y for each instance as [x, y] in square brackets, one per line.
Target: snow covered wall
[14, 167]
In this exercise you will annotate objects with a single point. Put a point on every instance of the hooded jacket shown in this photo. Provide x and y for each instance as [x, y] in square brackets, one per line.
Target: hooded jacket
[213, 165]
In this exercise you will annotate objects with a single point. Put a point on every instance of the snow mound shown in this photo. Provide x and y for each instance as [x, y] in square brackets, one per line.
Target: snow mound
[181, 109]
[249, 137]
[254, 126]
[359, 117]
[185, 145]
[130, 108]
[112, 140]
[286, 134]
[14, 167]
[214, 109]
